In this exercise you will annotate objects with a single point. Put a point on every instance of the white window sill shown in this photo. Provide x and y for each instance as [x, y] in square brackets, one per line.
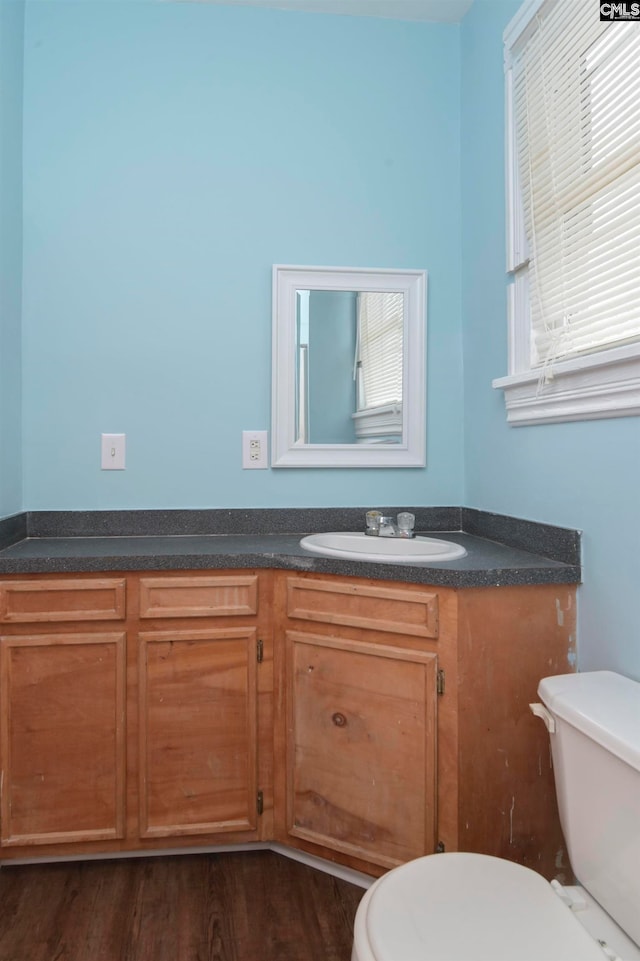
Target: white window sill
[606, 384]
[378, 421]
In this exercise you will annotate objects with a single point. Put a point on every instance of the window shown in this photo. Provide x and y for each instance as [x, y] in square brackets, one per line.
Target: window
[573, 199]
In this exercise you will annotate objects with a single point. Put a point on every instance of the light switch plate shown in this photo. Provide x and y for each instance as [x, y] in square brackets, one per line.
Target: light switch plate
[113, 451]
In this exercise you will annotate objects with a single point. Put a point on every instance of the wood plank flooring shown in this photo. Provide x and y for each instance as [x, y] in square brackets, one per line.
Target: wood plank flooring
[248, 906]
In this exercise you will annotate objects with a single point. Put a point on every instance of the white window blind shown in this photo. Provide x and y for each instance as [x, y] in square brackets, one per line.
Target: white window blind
[380, 352]
[576, 103]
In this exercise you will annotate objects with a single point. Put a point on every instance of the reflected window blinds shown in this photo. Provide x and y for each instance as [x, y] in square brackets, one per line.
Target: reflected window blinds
[380, 351]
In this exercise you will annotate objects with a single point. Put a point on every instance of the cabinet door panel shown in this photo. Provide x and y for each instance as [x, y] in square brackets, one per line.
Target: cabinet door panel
[376, 608]
[362, 747]
[198, 738]
[199, 596]
[62, 738]
[65, 599]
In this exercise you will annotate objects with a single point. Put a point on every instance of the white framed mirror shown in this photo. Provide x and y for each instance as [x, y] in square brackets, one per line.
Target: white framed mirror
[348, 368]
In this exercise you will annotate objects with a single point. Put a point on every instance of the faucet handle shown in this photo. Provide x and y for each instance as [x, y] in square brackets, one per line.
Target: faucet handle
[373, 519]
[406, 522]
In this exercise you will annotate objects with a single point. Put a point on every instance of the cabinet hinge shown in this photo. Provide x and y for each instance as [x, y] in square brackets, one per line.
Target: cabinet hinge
[440, 682]
[259, 802]
[260, 652]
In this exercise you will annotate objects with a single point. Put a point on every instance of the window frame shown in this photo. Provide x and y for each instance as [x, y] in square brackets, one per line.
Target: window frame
[601, 384]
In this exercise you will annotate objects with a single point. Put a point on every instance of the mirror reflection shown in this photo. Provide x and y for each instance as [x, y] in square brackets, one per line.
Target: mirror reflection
[349, 366]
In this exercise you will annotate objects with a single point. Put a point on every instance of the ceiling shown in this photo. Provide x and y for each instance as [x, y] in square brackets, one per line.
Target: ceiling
[443, 11]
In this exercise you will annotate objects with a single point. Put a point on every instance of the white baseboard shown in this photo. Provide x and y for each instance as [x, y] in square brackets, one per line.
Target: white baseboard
[320, 864]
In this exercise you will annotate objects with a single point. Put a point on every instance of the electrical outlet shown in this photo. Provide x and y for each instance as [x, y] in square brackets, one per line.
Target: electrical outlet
[113, 450]
[254, 450]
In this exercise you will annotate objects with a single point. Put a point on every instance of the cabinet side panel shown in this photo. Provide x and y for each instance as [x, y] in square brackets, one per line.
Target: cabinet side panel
[362, 750]
[62, 738]
[198, 736]
[509, 639]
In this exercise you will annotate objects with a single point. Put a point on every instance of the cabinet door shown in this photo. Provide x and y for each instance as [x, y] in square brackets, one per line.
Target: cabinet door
[362, 747]
[62, 738]
[197, 716]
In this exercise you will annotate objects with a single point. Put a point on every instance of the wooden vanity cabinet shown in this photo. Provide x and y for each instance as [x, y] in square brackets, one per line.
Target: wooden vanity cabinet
[361, 720]
[128, 734]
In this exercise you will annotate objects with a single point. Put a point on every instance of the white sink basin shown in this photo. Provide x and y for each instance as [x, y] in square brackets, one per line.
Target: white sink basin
[382, 550]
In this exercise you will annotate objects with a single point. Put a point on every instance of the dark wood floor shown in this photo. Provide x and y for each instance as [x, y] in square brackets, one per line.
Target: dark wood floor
[253, 906]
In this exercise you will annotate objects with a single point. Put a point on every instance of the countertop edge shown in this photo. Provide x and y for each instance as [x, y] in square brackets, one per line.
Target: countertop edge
[491, 576]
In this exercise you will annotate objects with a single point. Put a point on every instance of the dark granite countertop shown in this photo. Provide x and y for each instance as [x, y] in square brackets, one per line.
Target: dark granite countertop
[500, 550]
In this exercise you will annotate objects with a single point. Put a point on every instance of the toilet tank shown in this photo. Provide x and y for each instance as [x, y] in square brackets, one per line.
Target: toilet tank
[596, 761]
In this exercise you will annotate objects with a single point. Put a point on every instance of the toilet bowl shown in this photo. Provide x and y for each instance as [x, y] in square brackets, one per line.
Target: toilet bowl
[474, 907]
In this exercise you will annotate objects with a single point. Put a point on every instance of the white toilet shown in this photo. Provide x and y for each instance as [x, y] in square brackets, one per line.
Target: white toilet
[472, 907]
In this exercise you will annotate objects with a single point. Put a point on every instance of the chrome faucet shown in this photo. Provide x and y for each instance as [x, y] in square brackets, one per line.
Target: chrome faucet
[388, 527]
[380, 525]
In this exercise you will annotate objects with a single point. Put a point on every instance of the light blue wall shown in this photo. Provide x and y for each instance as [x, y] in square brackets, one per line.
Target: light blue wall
[11, 47]
[173, 152]
[584, 475]
[333, 319]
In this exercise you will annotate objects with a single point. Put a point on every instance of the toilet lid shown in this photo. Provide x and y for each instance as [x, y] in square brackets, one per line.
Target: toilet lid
[472, 907]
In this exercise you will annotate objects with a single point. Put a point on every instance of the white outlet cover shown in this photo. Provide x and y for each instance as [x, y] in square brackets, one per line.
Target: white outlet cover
[255, 449]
